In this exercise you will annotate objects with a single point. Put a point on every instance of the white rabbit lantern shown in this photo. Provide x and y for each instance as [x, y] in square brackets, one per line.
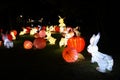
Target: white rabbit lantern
[105, 62]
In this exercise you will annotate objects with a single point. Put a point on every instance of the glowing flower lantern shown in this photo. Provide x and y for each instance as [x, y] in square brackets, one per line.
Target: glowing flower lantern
[70, 54]
[76, 42]
[27, 44]
[39, 43]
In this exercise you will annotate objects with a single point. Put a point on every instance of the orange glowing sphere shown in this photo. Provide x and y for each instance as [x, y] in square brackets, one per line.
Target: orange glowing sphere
[28, 44]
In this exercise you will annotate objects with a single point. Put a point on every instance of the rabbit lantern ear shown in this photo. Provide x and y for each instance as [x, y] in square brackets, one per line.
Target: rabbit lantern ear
[94, 39]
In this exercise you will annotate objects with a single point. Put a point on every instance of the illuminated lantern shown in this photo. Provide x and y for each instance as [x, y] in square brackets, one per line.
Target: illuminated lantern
[13, 36]
[10, 37]
[76, 42]
[39, 43]
[70, 54]
[27, 44]
[57, 28]
[42, 33]
[14, 32]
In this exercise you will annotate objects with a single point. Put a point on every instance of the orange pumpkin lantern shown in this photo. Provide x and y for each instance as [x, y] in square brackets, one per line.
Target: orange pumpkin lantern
[39, 43]
[70, 54]
[76, 42]
[27, 44]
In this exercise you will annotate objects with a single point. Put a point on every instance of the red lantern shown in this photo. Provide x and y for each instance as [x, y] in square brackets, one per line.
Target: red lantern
[76, 42]
[27, 44]
[70, 54]
[42, 33]
[39, 43]
[57, 28]
[9, 37]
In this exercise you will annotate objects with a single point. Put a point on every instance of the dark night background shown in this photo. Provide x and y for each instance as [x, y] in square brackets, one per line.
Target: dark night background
[91, 16]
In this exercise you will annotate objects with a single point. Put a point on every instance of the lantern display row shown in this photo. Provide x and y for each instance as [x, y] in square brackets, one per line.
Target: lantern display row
[38, 43]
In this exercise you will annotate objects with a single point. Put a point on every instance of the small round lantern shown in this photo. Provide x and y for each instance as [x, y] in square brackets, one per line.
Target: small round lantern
[70, 54]
[76, 42]
[39, 43]
[27, 44]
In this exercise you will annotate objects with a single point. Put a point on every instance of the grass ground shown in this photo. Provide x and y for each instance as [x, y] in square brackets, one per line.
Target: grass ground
[21, 64]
